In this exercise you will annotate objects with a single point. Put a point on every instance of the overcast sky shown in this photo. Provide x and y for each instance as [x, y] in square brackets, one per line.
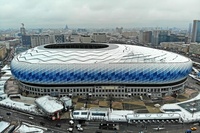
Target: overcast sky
[98, 13]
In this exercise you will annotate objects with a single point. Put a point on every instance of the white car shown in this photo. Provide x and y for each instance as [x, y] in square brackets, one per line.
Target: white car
[78, 125]
[80, 129]
[71, 122]
[70, 129]
[31, 117]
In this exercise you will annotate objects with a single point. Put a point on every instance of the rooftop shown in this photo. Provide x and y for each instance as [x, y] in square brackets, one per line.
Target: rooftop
[49, 104]
[97, 53]
[3, 125]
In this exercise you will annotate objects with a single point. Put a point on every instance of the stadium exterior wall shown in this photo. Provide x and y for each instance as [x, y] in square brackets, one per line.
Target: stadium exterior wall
[122, 91]
[132, 73]
[120, 79]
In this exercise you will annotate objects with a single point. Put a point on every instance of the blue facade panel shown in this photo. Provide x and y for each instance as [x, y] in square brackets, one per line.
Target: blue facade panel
[141, 73]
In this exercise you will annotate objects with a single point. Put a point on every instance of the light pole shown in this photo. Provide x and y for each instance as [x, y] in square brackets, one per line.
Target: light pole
[86, 102]
[110, 101]
[194, 108]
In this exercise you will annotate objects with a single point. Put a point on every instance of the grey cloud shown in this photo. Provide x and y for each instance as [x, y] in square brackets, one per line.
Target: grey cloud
[98, 13]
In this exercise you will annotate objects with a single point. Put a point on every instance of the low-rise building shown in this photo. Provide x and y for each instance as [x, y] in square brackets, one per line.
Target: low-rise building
[129, 34]
[37, 40]
[176, 46]
[14, 42]
[51, 106]
[74, 37]
[85, 39]
[99, 37]
[3, 51]
[194, 48]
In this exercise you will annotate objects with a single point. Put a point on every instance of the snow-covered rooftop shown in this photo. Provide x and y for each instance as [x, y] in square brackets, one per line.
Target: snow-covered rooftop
[27, 128]
[3, 126]
[5, 68]
[186, 115]
[20, 105]
[49, 104]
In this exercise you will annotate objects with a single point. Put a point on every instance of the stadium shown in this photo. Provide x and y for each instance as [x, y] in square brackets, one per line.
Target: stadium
[99, 70]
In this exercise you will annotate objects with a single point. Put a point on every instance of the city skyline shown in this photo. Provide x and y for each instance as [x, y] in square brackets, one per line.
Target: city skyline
[103, 14]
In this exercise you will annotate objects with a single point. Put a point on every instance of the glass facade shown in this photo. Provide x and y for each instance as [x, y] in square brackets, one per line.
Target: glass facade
[198, 32]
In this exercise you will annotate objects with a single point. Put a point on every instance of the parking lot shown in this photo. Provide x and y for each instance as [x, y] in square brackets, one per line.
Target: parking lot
[192, 106]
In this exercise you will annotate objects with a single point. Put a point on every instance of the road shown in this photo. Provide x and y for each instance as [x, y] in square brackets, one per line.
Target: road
[17, 116]
[92, 127]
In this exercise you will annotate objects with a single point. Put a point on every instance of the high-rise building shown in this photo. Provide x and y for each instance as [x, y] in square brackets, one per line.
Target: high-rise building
[196, 31]
[119, 30]
[147, 35]
[26, 40]
[178, 38]
[22, 30]
[190, 29]
[66, 27]
[159, 36]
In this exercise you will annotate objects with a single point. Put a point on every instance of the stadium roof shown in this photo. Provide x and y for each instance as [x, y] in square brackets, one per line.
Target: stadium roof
[107, 53]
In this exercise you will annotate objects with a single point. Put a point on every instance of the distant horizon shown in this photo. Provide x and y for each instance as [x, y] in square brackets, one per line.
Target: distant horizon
[125, 28]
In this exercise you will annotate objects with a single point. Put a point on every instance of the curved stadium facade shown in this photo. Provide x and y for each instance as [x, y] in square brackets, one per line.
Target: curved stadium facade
[100, 70]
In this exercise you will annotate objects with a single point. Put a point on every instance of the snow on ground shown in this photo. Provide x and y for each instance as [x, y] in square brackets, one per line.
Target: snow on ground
[186, 116]
[27, 128]
[30, 108]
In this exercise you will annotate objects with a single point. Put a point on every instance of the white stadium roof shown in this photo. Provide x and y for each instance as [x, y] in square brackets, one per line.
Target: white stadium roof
[115, 53]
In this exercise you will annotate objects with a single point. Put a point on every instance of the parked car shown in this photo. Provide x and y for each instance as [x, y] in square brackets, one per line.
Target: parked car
[42, 123]
[31, 117]
[58, 125]
[71, 122]
[193, 128]
[79, 128]
[8, 113]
